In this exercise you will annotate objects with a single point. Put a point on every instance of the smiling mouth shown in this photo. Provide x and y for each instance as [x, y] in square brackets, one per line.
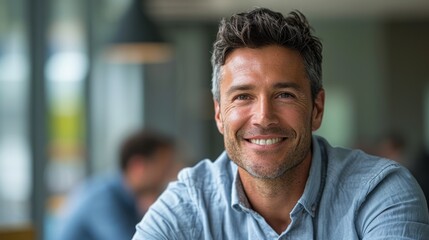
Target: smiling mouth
[265, 142]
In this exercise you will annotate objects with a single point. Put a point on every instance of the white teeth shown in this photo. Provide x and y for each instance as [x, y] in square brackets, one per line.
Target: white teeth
[265, 141]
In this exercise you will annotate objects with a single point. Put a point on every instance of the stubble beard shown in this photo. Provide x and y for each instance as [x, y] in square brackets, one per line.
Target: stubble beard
[295, 155]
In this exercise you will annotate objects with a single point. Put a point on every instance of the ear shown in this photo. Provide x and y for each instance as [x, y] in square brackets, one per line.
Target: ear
[218, 116]
[318, 109]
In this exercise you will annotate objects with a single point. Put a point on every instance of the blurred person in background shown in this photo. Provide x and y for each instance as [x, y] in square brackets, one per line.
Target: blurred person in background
[392, 146]
[110, 207]
[276, 180]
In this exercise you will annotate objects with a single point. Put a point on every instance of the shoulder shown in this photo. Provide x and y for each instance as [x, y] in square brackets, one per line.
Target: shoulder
[92, 198]
[381, 195]
[205, 183]
[83, 206]
[178, 210]
[349, 168]
[360, 174]
[207, 174]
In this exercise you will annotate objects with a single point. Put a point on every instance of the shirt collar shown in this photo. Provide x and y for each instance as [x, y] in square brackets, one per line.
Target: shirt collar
[237, 192]
[309, 198]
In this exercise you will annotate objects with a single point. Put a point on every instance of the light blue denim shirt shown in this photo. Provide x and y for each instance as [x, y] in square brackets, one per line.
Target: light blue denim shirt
[348, 195]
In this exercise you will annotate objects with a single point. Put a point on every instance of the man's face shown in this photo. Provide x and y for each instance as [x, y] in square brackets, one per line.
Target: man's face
[157, 172]
[266, 113]
[149, 177]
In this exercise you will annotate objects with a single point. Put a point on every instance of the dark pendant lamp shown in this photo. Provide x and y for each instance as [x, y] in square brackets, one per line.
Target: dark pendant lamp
[137, 39]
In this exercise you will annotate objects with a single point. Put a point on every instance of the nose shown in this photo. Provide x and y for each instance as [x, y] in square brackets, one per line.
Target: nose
[264, 114]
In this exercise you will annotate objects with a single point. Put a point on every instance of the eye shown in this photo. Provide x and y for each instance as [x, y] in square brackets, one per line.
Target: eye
[242, 97]
[285, 95]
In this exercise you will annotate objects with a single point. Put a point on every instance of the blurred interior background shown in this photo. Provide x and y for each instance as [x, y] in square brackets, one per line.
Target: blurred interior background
[72, 85]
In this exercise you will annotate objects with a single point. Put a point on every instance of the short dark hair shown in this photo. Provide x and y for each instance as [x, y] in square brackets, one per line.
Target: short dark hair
[144, 143]
[262, 27]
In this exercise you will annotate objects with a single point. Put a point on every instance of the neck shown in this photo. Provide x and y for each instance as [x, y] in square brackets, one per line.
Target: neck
[274, 199]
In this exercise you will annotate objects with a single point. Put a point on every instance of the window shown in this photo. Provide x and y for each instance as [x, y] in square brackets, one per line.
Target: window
[15, 164]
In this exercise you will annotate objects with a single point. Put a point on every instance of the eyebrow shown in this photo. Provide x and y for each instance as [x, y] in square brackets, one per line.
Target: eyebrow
[245, 87]
[236, 88]
[281, 85]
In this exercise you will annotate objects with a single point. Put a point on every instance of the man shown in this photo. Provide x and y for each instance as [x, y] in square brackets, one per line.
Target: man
[109, 208]
[276, 180]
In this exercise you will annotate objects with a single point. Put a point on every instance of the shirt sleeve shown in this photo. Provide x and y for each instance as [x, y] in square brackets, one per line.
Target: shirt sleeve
[101, 219]
[172, 216]
[73, 229]
[394, 208]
